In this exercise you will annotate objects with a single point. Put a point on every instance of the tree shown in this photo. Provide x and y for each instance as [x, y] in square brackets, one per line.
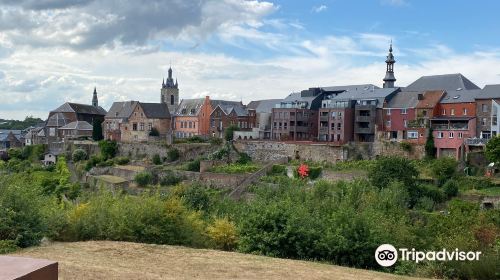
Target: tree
[154, 132]
[108, 149]
[97, 130]
[228, 134]
[430, 149]
[492, 150]
[443, 169]
[389, 169]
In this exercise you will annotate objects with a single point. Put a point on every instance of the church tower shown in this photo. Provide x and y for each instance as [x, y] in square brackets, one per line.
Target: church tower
[389, 74]
[95, 102]
[170, 92]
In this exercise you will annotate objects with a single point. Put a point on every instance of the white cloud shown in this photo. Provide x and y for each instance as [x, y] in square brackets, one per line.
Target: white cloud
[319, 9]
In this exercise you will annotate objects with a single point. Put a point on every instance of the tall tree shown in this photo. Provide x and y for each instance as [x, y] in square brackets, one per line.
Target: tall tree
[430, 148]
[97, 130]
[492, 149]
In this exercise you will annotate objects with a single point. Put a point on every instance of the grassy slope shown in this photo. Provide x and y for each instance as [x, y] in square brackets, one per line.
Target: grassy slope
[123, 260]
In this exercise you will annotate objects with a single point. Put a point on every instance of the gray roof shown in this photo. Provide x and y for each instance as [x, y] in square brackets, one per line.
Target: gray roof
[297, 96]
[348, 87]
[380, 94]
[155, 110]
[263, 106]
[239, 109]
[4, 133]
[404, 99]
[442, 82]
[489, 92]
[78, 125]
[58, 120]
[121, 110]
[188, 105]
[460, 96]
[80, 109]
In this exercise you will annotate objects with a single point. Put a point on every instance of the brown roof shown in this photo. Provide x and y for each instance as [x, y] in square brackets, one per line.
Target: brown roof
[431, 99]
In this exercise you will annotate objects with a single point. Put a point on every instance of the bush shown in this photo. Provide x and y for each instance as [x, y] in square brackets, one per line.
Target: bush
[443, 169]
[244, 158]
[170, 179]
[195, 196]
[106, 163]
[121, 160]
[156, 159]
[154, 132]
[108, 148]
[143, 178]
[314, 172]
[220, 153]
[405, 146]
[193, 165]
[93, 161]
[450, 188]
[387, 169]
[223, 234]
[229, 132]
[173, 154]
[79, 155]
[492, 149]
[195, 139]
[7, 246]
[215, 141]
[278, 169]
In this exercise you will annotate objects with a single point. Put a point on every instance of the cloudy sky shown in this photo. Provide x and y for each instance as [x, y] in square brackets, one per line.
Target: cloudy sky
[52, 51]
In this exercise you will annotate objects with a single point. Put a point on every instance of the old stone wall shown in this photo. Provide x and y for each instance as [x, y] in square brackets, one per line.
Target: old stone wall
[142, 150]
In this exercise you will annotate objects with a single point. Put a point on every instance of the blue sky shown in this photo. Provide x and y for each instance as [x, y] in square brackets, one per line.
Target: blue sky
[57, 51]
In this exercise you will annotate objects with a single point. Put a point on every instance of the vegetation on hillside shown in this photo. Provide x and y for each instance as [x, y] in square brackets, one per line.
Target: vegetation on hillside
[20, 125]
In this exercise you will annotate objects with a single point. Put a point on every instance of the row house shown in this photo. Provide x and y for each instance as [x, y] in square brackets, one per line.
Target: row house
[487, 111]
[263, 110]
[192, 117]
[295, 118]
[134, 121]
[455, 122]
[230, 113]
[398, 115]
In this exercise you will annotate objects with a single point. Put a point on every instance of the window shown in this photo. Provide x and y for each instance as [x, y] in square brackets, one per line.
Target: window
[412, 134]
[443, 112]
[172, 99]
[274, 125]
[150, 126]
[460, 135]
[405, 123]
[190, 124]
[339, 114]
[334, 114]
[182, 124]
[212, 123]
[194, 124]
[333, 125]
[388, 112]
[440, 135]
[451, 135]
[404, 111]
[465, 111]
[452, 112]
[484, 107]
[142, 126]
[52, 131]
[285, 124]
[279, 114]
[483, 121]
[134, 126]
[388, 123]
[339, 126]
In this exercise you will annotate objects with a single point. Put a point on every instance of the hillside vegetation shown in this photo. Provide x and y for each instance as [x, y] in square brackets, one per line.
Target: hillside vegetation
[124, 260]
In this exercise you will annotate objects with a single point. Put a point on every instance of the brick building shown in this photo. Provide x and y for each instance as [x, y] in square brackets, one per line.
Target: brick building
[192, 117]
[397, 114]
[228, 113]
[486, 112]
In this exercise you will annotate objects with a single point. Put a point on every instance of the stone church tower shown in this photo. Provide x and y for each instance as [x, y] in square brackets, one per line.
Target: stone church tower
[389, 78]
[170, 92]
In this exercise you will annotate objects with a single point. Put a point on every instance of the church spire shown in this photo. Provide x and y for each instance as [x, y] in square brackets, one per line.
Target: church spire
[389, 78]
[95, 101]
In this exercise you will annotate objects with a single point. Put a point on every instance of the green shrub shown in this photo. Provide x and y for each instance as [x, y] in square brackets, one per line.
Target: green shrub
[143, 178]
[108, 148]
[443, 169]
[235, 168]
[405, 146]
[79, 155]
[425, 203]
[450, 188]
[315, 172]
[195, 196]
[220, 153]
[93, 161]
[121, 160]
[7, 246]
[15, 153]
[154, 132]
[387, 169]
[193, 165]
[215, 141]
[156, 159]
[173, 154]
[170, 179]
[195, 139]
[244, 158]
[229, 132]
[278, 169]
[430, 191]
[106, 163]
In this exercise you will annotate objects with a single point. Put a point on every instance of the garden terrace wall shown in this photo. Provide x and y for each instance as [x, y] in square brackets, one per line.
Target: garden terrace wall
[187, 151]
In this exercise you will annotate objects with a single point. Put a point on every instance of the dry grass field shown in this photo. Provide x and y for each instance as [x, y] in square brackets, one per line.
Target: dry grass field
[123, 260]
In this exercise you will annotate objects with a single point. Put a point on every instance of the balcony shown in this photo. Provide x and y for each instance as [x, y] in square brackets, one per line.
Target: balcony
[323, 118]
[364, 130]
[418, 123]
[476, 141]
[363, 119]
[451, 126]
[323, 129]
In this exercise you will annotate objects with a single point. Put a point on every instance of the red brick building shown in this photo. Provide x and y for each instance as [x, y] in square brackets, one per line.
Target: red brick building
[228, 113]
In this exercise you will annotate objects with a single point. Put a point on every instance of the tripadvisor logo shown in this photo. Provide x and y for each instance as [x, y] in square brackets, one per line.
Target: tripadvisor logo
[387, 255]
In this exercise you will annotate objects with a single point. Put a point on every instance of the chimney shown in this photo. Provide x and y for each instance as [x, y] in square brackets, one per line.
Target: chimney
[420, 96]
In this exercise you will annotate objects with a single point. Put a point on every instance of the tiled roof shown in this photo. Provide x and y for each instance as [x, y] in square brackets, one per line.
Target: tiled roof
[489, 92]
[155, 110]
[460, 96]
[380, 94]
[80, 109]
[263, 106]
[58, 120]
[186, 106]
[431, 98]
[349, 87]
[121, 110]
[78, 125]
[404, 99]
[442, 82]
